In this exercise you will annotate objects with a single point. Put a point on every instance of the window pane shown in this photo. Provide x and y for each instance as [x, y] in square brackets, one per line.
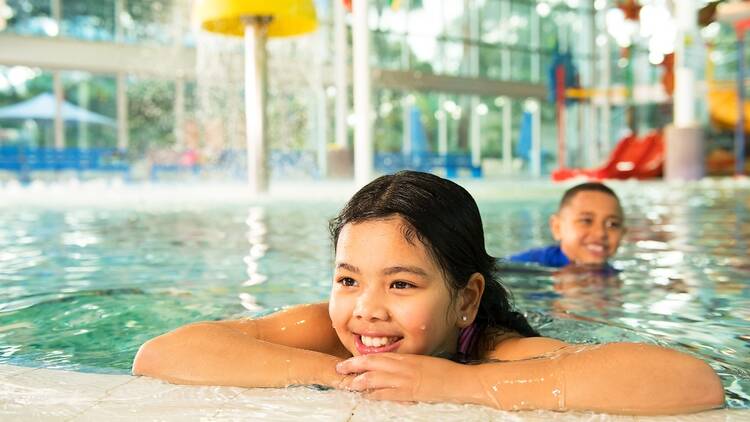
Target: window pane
[31, 17]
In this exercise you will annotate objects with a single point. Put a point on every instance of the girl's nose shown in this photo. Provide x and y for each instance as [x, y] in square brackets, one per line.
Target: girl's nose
[371, 306]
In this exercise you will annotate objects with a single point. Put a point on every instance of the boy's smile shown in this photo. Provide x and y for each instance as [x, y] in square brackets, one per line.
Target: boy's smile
[388, 294]
[589, 227]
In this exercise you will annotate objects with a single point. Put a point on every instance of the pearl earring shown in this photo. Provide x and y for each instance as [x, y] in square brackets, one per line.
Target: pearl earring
[464, 318]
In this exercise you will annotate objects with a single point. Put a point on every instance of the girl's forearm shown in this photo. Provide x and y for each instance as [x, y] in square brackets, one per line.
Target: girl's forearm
[212, 354]
[615, 378]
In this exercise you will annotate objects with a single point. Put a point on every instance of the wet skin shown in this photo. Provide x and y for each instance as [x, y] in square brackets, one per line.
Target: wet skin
[389, 295]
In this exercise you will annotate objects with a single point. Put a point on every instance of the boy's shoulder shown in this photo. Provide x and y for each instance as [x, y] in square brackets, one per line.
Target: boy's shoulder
[548, 256]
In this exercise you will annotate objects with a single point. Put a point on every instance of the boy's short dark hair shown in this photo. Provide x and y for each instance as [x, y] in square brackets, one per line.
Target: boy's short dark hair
[586, 187]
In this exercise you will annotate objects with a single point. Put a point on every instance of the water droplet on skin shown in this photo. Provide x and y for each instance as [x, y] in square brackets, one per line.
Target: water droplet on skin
[423, 328]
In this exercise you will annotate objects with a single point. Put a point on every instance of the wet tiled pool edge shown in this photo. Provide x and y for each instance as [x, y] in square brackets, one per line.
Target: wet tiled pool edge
[47, 394]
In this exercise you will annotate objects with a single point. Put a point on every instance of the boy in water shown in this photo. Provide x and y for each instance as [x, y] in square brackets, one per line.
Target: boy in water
[588, 226]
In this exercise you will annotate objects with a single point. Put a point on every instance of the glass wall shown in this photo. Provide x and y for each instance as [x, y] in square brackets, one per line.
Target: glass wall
[97, 95]
[513, 41]
[31, 17]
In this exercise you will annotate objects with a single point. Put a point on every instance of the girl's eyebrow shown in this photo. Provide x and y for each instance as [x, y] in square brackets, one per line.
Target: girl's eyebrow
[388, 271]
[348, 267]
[405, 269]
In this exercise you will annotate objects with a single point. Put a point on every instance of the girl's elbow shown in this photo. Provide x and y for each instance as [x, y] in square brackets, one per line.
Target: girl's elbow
[707, 391]
[714, 389]
[146, 360]
[155, 356]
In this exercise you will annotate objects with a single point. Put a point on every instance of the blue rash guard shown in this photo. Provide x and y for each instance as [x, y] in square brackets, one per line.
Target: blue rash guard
[553, 257]
[550, 256]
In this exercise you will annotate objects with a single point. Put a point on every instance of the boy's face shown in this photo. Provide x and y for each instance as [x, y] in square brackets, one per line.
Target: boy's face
[589, 227]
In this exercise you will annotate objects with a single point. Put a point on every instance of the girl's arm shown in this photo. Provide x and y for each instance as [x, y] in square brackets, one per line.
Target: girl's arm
[615, 378]
[632, 378]
[295, 346]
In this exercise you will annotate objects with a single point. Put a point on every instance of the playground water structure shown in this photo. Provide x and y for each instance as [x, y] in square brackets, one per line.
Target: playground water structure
[89, 272]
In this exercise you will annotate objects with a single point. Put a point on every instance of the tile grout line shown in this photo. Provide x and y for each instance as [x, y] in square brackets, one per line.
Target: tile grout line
[352, 412]
[99, 400]
[233, 397]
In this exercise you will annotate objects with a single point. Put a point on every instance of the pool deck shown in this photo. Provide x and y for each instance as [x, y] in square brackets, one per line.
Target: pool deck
[53, 395]
[116, 193]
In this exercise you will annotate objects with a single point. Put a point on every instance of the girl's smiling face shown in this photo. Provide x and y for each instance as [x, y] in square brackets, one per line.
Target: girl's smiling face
[389, 294]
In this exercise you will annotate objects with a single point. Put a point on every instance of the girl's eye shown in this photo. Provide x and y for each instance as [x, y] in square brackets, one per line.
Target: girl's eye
[401, 285]
[585, 221]
[347, 282]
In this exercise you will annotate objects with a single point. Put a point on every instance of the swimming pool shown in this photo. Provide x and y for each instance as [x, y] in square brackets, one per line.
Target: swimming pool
[82, 286]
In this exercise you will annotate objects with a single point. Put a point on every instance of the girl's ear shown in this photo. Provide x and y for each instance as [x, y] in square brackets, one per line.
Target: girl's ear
[469, 300]
[554, 226]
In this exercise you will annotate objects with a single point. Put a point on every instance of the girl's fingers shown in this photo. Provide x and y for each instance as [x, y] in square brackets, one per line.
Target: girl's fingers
[375, 380]
[364, 363]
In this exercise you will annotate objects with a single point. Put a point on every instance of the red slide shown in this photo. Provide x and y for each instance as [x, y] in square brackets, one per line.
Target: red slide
[640, 158]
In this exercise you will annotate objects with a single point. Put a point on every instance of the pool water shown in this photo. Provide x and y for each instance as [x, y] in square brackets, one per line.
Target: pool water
[82, 287]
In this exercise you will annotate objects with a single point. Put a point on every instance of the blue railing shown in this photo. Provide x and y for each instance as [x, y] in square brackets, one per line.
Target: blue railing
[23, 160]
[389, 162]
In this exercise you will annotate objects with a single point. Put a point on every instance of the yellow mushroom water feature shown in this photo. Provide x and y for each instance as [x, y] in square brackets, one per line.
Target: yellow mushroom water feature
[256, 20]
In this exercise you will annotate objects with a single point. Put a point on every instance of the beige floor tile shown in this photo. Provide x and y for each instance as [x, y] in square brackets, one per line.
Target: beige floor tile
[9, 370]
[290, 404]
[721, 415]
[142, 389]
[147, 411]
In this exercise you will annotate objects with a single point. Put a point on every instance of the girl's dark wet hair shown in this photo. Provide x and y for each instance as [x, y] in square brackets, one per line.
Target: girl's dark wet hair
[445, 218]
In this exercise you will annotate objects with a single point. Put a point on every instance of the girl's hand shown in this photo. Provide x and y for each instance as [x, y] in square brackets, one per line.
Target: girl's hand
[405, 377]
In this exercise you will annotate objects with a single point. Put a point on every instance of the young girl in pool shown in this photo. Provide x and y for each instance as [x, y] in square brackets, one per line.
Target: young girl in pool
[414, 298]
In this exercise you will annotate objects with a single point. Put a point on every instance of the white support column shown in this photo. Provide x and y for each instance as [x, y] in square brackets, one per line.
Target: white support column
[684, 158]
[536, 138]
[363, 153]
[120, 8]
[179, 113]
[475, 133]
[341, 70]
[442, 117]
[505, 52]
[83, 127]
[59, 123]
[320, 109]
[122, 112]
[507, 111]
[406, 100]
[321, 131]
[475, 129]
[536, 56]
[605, 117]
[256, 33]
[56, 12]
[685, 83]
[589, 116]
[406, 104]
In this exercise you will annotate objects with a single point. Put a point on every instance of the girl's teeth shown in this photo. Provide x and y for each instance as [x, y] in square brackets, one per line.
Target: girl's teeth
[375, 341]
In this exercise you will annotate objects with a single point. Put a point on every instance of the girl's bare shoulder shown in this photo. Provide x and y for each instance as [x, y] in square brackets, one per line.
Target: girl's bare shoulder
[519, 348]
